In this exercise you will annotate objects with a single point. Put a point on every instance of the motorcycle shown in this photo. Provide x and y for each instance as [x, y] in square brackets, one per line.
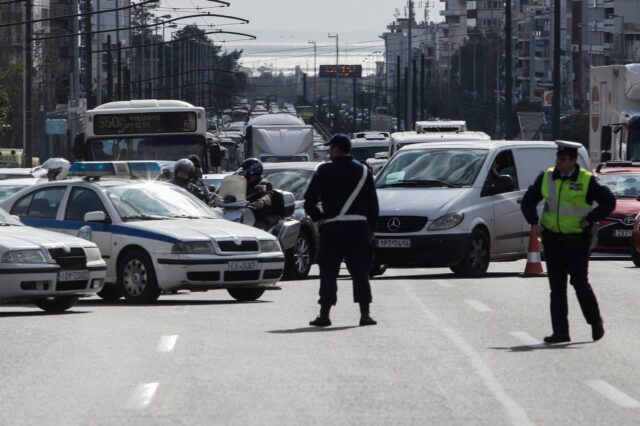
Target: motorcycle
[231, 202]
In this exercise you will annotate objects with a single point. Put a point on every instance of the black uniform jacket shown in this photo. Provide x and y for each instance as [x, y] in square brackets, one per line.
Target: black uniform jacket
[595, 193]
[333, 183]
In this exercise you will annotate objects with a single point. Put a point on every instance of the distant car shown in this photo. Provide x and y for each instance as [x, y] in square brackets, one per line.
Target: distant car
[295, 178]
[155, 236]
[623, 179]
[49, 269]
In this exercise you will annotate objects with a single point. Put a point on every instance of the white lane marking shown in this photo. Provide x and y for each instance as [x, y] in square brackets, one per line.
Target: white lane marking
[444, 284]
[142, 396]
[167, 343]
[478, 305]
[516, 413]
[613, 394]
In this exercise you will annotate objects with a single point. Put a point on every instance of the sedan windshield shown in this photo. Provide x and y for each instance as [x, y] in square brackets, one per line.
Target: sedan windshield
[622, 185]
[153, 201]
[294, 181]
[433, 168]
[7, 220]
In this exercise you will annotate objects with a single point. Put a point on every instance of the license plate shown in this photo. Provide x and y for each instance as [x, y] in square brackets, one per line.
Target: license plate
[247, 265]
[394, 243]
[620, 233]
[73, 275]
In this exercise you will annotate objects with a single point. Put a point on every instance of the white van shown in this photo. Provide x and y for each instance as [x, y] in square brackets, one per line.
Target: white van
[441, 205]
[401, 139]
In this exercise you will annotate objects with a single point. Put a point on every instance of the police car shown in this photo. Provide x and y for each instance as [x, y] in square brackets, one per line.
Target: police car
[46, 268]
[155, 236]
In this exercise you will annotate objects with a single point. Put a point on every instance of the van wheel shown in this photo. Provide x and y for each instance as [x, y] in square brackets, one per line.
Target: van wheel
[297, 263]
[137, 278]
[246, 294]
[476, 261]
[635, 256]
[56, 305]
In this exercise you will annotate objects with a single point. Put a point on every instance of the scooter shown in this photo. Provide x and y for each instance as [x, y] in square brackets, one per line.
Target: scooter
[232, 204]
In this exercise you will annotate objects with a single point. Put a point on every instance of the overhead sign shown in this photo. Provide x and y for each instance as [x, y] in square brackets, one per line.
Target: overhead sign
[57, 126]
[340, 71]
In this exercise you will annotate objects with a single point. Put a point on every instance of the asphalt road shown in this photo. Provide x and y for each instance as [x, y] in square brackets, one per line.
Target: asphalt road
[445, 351]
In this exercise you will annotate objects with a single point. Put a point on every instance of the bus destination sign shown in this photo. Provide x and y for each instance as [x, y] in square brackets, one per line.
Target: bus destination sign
[144, 123]
[341, 71]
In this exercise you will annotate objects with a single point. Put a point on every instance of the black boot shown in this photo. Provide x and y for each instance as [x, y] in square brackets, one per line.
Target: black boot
[557, 338]
[323, 319]
[597, 331]
[365, 319]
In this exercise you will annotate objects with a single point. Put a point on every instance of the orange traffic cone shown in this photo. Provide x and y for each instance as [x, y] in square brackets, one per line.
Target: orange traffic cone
[534, 260]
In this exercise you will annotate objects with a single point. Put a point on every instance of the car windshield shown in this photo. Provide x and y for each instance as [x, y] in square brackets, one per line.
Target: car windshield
[437, 167]
[155, 148]
[7, 191]
[154, 201]
[7, 220]
[622, 185]
[294, 181]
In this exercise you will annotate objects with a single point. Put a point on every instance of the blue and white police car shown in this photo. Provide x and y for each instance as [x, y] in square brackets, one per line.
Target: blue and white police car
[155, 236]
[46, 268]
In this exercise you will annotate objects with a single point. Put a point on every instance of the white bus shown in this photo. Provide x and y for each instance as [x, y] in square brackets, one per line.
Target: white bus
[160, 130]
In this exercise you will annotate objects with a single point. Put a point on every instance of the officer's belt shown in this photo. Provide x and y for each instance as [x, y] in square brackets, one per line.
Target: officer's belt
[343, 216]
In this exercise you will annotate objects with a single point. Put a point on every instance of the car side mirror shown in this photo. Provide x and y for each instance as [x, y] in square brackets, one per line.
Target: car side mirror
[16, 217]
[504, 183]
[215, 158]
[211, 188]
[96, 217]
[637, 198]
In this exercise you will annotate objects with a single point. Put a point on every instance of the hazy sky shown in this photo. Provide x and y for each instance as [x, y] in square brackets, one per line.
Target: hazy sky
[290, 24]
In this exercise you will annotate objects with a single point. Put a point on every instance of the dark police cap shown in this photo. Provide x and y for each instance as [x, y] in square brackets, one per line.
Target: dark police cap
[566, 147]
[340, 140]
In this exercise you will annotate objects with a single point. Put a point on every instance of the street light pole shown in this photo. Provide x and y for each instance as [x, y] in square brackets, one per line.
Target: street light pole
[315, 73]
[337, 37]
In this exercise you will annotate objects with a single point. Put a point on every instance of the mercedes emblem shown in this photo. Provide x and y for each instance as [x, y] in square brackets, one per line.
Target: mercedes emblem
[393, 224]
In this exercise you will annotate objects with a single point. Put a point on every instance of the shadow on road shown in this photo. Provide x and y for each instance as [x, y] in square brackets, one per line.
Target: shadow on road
[158, 303]
[489, 275]
[310, 329]
[39, 313]
[542, 346]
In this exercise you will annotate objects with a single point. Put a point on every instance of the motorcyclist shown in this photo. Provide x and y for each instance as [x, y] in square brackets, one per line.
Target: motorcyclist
[196, 174]
[57, 168]
[182, 172]
[259, 192]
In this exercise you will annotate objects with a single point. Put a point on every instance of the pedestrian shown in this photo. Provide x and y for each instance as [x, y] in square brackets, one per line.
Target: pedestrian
[346, 223]
[569, 192]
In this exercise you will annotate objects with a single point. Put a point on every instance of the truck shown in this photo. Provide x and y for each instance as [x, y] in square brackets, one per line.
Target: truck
[277, 143]
[614, 113]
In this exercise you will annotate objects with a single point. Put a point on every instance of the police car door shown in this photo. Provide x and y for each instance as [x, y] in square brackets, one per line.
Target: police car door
[507, 218]
[83, 200]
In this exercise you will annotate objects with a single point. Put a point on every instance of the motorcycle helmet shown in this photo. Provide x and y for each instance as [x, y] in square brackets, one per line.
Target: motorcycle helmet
[59, 167]
[251, 167]
[183, 164]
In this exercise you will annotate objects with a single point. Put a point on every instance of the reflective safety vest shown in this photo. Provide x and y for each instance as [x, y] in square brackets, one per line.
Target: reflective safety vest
[565, 202]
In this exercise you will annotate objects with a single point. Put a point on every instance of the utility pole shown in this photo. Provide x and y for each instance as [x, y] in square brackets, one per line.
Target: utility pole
[422, 89]
[337, 37]
[99, 55]
[508, 90]
[109, 70]
[555, 107]
[315, 74]
[409, 83]
[118, 55]
[27, 119]
[88, 68]
[355, 102]
[398, 100]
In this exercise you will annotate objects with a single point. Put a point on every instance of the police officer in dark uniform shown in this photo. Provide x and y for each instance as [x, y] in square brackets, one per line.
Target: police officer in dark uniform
[569, 192]
[346, 222]
[259, 192]
[182, 172]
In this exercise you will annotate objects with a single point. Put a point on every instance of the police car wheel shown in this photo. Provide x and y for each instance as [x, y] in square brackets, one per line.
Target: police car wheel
[635, 256]
[297, 263]
[476, 261]
[246, 294]
[110, 293]
[137, 278]
[56, 305]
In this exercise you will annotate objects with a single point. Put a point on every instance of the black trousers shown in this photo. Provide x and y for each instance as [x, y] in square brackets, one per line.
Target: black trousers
[348, 241]
[569, 256]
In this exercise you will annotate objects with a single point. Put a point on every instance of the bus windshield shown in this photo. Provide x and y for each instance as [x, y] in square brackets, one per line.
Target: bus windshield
[157, 148]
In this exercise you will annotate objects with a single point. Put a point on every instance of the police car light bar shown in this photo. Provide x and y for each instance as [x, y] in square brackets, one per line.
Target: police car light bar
[137, 169]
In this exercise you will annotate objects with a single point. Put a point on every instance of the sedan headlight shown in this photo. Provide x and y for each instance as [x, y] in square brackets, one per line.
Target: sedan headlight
[24, 256]
[270, 246]
[193, 247]
[93, 254]
[447, 221]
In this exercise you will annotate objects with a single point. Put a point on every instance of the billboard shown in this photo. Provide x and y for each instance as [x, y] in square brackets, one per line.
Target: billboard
[341, 71]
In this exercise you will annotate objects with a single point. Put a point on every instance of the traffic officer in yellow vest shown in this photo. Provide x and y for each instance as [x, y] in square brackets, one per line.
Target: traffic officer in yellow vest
[569, 192]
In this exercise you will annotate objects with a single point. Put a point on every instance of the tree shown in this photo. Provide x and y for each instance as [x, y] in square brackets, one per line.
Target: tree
[4, 111]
